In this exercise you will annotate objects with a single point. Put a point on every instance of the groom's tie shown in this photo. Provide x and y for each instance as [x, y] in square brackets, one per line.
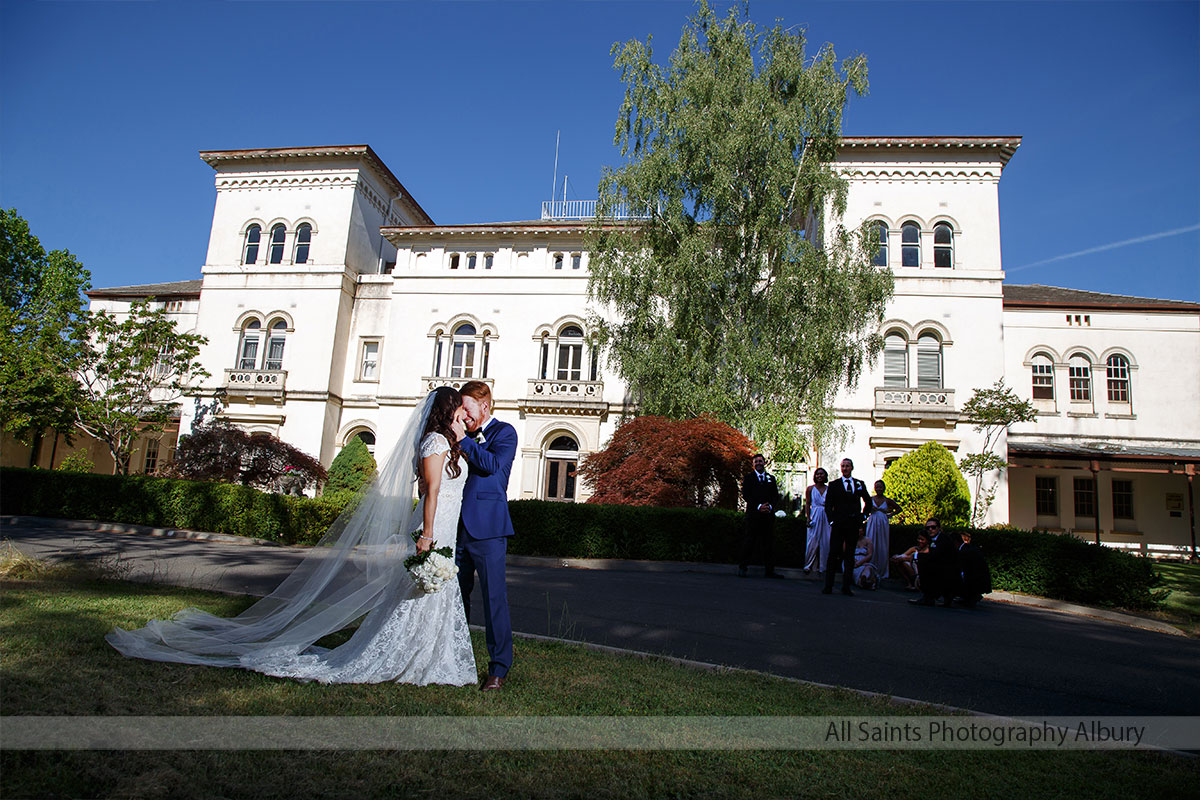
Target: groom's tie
[846, 483]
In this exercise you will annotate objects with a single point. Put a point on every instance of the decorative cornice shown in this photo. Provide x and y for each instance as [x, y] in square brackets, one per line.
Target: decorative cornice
[218, 158]
[1003, 147]
[929, 173]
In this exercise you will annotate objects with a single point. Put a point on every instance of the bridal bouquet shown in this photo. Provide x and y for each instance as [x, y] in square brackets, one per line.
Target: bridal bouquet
[432, 569]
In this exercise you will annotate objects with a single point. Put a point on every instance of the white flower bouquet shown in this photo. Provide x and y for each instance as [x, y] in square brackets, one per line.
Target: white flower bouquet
[433, 569]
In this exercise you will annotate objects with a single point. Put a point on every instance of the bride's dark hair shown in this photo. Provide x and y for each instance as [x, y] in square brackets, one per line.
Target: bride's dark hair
[446, 401]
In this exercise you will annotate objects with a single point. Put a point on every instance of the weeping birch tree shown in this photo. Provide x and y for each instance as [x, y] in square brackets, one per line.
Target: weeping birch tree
[737, 293]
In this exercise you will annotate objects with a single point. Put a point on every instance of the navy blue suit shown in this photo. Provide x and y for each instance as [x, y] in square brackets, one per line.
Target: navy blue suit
[483, 531]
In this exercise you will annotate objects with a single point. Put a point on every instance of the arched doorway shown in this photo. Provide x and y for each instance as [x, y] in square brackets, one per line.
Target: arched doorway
[562, 457]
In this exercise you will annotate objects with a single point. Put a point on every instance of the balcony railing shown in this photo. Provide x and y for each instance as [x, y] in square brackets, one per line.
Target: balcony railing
[264, 379]
[567, 390]
[914, 403]
[432, 383]
[586, 209]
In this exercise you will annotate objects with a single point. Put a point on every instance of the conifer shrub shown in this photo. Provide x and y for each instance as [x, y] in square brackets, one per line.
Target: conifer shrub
[927, 483]
[352, 469]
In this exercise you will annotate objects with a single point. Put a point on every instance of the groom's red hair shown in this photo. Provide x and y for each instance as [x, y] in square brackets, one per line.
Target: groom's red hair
[477, 390]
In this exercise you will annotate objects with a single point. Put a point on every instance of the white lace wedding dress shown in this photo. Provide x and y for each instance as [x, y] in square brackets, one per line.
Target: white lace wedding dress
[415, 637]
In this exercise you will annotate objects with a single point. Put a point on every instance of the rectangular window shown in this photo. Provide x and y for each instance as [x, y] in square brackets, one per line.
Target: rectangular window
[558, 260]
[545, 361]
[1085, 499]
[462, 360]
[595, 374]
[1118, 381]
[488, 260]
[576, 260]
[471, 261]
[1081, 383]
[929, 369]
[1122, 497]
[1043, 381]
[275, 353]
[249, 359]
[1046, 496]
[895, 366]
[454, 261]
[150, 465]
[437, 360]
[487, 352]
[570, 362]
[370, 361]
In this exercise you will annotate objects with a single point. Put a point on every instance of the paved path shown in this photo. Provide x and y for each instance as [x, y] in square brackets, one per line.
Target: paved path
[1001, 659]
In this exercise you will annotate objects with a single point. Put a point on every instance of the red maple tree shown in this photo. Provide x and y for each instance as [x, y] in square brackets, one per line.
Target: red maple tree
[657, 461]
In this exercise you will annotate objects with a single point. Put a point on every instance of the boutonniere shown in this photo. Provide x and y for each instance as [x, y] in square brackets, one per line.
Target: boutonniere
[479, 437]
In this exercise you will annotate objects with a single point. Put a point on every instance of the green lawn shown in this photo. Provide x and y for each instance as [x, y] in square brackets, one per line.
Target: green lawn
[1183, 604]
[53, 660]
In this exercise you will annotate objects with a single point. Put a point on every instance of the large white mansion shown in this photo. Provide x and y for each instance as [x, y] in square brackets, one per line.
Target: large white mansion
[332, 303]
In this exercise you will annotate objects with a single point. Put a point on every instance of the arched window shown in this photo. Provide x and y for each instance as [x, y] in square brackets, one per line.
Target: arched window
[248, 346]
[1042, 370]
[895, 360]
[253, 238]
[303, 242]
[462, 351]
[562, 456]
[1118, 379]
[368, 439]
[275, 256]
[275, 341]
[943, 245]
[881, 256]
[929, 361]
[1080, 379]
[570, 354]
[910, 245]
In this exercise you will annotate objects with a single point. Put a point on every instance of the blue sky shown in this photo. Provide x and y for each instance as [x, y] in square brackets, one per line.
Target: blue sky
[104, 106]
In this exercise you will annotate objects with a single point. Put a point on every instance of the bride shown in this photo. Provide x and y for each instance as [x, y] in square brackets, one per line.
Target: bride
[356, 572]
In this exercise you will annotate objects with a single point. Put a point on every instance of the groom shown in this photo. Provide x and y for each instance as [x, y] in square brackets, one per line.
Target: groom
[484, 527]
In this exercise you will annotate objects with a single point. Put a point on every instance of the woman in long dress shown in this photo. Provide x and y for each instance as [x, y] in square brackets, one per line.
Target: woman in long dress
[406, 635]
[883, 508]
[818, 524]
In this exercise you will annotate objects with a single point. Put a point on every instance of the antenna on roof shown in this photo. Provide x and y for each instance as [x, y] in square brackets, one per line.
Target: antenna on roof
[554, 183]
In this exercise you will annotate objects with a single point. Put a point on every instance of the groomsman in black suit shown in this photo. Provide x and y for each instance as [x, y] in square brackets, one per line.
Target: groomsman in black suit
[938, 567]
[761, 493]
[846, 500]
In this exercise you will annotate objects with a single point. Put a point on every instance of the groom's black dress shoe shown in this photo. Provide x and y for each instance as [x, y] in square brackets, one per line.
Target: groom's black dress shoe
[491, 683]
[848, 592]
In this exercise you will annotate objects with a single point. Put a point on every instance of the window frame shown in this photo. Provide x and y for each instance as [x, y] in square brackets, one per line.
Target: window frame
[1043, 372]
[924, 353]
[302, 246]
[1045, 495]
[881, 255]
[275, 333]
[894, 378]
[253, 239]
[946, 248]
[1084, 491]
[252, 332]
[1079, 379]
[1120, 383]
[276, 249]
[363, 346]
[1122, 499]
[907, 247]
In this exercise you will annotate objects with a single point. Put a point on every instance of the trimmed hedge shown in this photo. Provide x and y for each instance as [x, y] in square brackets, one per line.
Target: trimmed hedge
[1045, 564]
[166, 502]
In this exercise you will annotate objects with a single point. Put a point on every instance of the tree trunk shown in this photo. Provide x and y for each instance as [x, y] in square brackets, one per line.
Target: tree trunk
[35, 449]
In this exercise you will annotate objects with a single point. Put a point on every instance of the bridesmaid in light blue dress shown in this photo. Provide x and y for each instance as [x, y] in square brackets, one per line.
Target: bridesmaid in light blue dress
[818, 523]
[882, 509]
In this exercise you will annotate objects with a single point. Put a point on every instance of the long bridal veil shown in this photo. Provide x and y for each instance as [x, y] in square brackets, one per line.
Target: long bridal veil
[356, 569]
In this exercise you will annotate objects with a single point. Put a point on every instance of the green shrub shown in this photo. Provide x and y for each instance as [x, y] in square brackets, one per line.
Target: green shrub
[352, 469]
[166, 502]
[76, 462]
[1034, 562]
[927, 483]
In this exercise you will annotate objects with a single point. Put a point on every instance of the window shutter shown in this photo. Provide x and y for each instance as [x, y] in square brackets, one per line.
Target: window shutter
[929, 363]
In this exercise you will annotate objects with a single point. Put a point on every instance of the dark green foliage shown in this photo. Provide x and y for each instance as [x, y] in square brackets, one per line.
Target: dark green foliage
[927, 483]
[1033, 562]
[352, 469]
[166, 502]
[585, 530]
[1058, 566]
